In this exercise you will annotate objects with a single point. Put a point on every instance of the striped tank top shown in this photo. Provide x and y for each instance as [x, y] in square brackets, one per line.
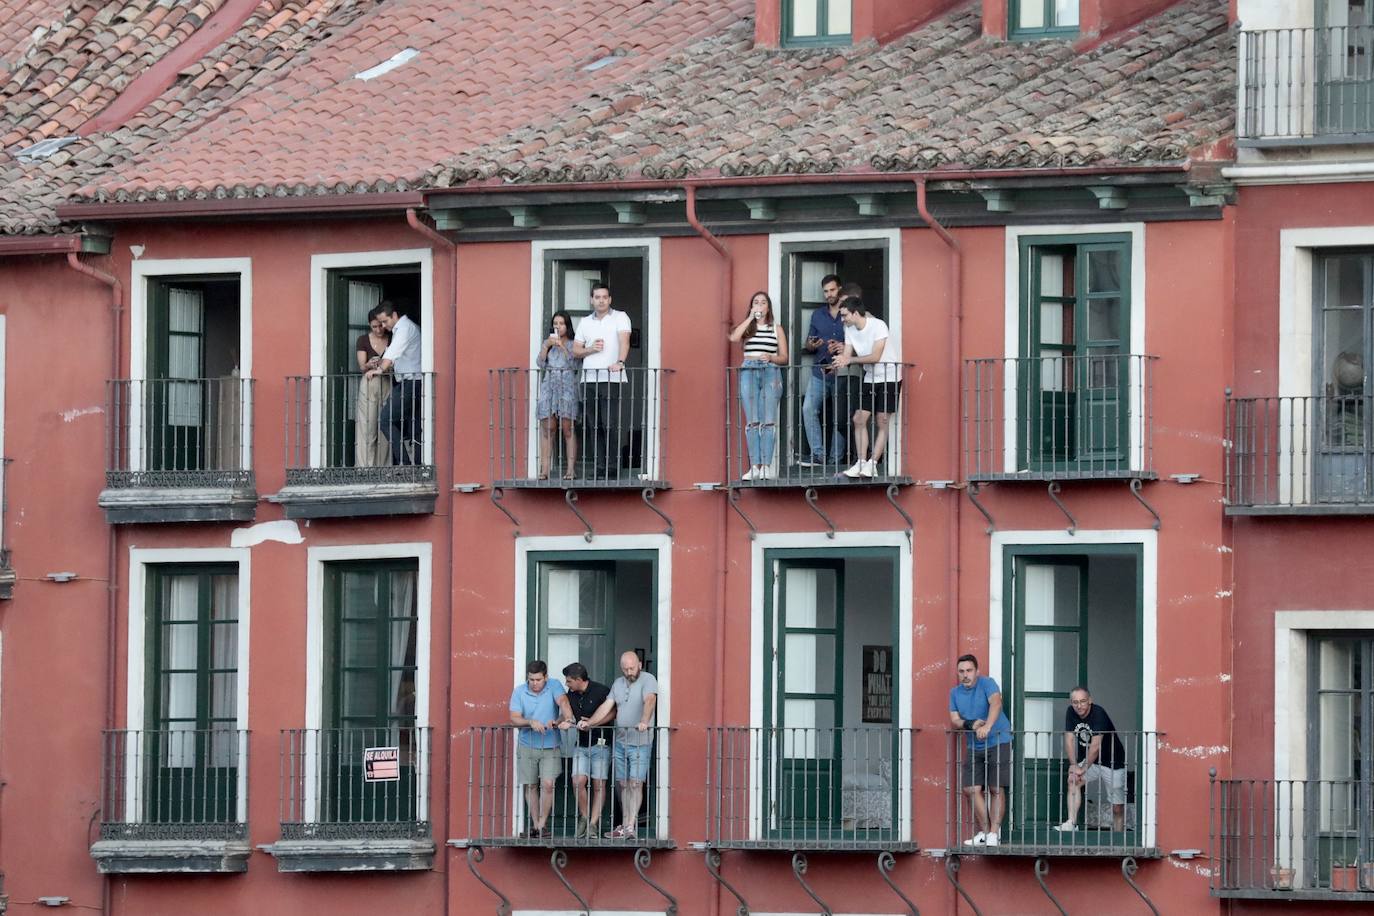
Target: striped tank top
[763, 344]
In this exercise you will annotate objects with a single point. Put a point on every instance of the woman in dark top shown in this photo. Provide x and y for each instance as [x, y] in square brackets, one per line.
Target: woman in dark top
[370, 447]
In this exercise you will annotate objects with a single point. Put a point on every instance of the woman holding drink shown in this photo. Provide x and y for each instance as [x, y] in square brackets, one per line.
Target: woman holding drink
[557, 403]
[760, 383]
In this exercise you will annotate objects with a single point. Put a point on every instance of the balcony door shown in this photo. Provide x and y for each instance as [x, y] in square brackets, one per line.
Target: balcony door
[191, 746]
[1074, 373]
[1344, 63]
[370, 664]
[1343, 449]
[191, 396]
[1341, 708]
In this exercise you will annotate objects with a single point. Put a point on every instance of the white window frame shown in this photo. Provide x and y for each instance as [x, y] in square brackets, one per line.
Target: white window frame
[141, 273]
[1011, 343]
[1292, 631]
[760, 640]
[661, 544]
[1148, 541]
[320, 266]
[316, 560]
[652, 334]
[140, 558]
[892, 239]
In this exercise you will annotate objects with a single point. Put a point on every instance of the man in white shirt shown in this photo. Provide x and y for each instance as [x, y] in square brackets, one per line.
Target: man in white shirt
[602, 343]
[868, 344]
[400, 415]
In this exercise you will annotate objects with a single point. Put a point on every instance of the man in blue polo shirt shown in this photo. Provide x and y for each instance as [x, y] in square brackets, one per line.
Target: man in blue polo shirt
[821, 413]
[536, 708]
[975, 706]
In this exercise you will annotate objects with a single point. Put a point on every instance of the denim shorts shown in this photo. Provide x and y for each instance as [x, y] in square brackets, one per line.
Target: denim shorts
[593, 761]
[632, 762]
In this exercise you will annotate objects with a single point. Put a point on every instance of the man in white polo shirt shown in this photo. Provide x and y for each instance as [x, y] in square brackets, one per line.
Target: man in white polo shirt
[602, 343]
[400, 415]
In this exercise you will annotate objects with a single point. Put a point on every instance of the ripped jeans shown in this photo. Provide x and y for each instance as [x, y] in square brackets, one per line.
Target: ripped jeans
[760, 392]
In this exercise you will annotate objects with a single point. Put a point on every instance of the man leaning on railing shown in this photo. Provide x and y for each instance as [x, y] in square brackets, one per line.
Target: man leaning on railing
[537, 707]
[1095, 756]
[975, 705]
[635, 694]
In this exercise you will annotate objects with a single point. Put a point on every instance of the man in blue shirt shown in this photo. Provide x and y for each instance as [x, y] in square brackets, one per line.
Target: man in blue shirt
[536, 709]
[975, 706]
[820, 409]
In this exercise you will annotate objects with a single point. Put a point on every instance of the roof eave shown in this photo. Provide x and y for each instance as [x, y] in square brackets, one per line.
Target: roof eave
[63, 243]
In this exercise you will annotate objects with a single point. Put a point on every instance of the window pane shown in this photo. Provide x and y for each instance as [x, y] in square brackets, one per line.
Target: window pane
[810, 663]
[838, 20]
[1052, 275]
[224, 646]
[224, 597]
[1066, 12]
[577, 599]
[809, 597]
[804, 16]
[1031, 14]
[1104, 270]
[223, 696]
[402, 693]
[1051, 595]
[809, 729]
[179, 697]
[1039, 714]
[179, 597]
[178, 647]
[1056, 323]
[1051, 663]
[185, 310]
[1344, 349]
[1339, 661]
[360, 694]
[1104, 319]
[360, 644]
[361, 298]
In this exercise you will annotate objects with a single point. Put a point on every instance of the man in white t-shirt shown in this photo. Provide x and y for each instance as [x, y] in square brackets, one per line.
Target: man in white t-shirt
[602, 342]
[868, 344]
[400, 415]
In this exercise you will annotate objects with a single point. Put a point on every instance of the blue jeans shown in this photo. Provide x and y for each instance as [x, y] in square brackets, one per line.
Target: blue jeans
[820, 415]
[760, 392]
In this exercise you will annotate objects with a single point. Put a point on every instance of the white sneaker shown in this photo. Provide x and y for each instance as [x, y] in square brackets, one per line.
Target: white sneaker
[765, 473]
[856, 470]
[869, 469]
[979, 839]
[990, 840]
[747, 475]
[1066, 827]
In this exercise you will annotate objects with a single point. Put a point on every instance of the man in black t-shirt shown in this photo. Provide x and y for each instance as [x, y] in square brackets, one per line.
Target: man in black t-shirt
[592, 706]
[1095, 755]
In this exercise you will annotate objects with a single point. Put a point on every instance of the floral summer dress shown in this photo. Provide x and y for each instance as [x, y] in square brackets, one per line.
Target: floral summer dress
[558, 383]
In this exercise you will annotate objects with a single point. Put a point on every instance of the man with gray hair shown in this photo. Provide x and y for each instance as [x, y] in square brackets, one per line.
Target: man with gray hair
[635, 694]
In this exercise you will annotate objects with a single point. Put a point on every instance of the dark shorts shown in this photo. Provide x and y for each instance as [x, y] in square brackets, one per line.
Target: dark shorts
[879, 397]
[990, 767]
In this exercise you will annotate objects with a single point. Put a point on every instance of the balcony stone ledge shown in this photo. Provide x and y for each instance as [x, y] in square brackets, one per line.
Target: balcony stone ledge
[135, 505]
[348, 499]
[361, 854]
[190, 856]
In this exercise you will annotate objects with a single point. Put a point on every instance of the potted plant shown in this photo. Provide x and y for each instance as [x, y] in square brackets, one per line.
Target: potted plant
[1281, 877]
[1367, 876]
[1344, 875]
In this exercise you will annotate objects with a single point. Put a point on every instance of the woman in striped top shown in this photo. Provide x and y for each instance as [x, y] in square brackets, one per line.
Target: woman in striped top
[760, 383]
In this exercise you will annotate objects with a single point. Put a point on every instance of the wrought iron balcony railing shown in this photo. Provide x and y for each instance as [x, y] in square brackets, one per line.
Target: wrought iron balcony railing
[174, 784]
[1306, 84]
[344, 429]
[503, 812]
[1117, 802]
[1059, 418]
[810, 788]
[1293, 454]
[575, 428]
[355, 783]
[787, 426]
[1287, 839]
[179, 433]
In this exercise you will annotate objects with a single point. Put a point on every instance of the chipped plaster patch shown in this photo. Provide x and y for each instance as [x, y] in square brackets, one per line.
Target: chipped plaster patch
[78, 412]
[284, 531]
[1198, 751]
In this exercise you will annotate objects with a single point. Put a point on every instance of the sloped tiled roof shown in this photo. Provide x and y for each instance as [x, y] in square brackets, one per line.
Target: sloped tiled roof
[62, 63]
[504, 92]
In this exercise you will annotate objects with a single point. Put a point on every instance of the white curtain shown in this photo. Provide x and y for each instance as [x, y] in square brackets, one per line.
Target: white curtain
[402, 611]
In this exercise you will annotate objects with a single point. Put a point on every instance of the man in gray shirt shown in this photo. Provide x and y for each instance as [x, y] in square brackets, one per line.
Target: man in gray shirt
[635, 694]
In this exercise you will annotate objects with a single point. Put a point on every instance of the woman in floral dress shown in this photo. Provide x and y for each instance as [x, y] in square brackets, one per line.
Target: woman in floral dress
[557, 404]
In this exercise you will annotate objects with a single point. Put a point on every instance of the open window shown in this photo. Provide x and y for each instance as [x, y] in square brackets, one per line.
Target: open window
[816, 22]
[1043, 18]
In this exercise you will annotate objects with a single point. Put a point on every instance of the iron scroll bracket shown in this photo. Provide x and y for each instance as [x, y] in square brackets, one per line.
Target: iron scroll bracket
[814, 502]
[475, 857]
[973, 490]
[799, 871]
[570, 497]
[733, 494]
[887, 862]
[642, 859]
[498, 494]
[1053, 490]
[952, 873]
[559, 861]
[892, 491]
[1136, 485]
[1042, 868]
[1129, 867]
[713, 866]
[648, 494]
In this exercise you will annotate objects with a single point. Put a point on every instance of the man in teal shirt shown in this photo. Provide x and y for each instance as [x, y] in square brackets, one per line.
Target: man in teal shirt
[975, 706]
[536, 708]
